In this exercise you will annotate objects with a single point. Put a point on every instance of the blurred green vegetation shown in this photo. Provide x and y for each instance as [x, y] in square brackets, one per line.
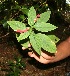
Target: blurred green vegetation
[18, 10]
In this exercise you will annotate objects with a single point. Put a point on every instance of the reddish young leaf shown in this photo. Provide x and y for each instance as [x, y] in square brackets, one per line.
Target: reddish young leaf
[38, 16]
[22, 31]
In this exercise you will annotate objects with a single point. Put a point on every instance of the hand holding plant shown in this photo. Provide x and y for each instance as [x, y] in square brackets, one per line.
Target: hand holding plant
[63, 51]
[34, 32]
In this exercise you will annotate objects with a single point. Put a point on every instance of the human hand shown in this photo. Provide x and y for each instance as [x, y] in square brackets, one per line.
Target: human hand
[63, 51]
[44, 58]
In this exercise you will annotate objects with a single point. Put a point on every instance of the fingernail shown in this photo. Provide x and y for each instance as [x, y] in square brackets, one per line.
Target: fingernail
[28, 28]
[32, 55]
[29, 45]
[23, 48]
[56, 52]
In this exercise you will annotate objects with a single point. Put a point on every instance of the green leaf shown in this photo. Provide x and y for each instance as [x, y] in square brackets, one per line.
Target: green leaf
[35, 42]
[44, 27]
[24, 10]
[5, 25]
[15, 25]
[31, 16]
[16, 7]
[23, 36]
[23, 65]
[22, 17]
[25, 44]
[54, 38]
[46, 43]
[44, 17]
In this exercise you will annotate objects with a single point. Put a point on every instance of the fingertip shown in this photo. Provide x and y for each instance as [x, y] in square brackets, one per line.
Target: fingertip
[55, 53]
[23, 48]
[30, 54]
[28, 28]
[29, 45]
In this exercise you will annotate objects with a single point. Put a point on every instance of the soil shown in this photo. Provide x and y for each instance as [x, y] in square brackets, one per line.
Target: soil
[9, 48]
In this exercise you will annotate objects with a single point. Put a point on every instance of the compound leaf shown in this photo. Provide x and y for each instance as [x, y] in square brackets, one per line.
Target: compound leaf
[31, 16]
[44, 27]
[15, 25]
